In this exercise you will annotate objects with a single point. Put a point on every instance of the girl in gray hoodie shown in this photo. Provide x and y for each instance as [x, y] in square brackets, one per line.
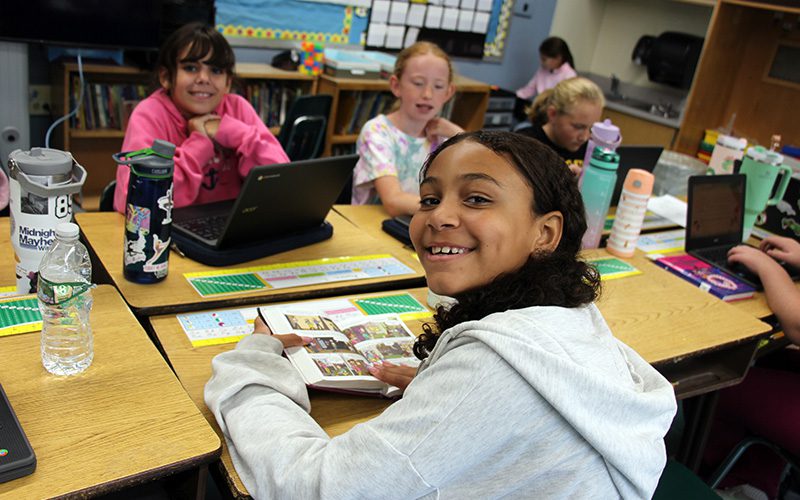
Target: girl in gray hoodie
[523, 391]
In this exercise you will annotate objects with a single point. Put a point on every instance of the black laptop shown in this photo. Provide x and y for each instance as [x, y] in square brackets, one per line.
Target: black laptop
[715, 222]
[641, 157]
[275, 201]
[17, 458]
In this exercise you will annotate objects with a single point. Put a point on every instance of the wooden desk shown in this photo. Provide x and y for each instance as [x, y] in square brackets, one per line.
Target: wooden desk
[698, 342]
[369, 218]
[104, 234]
[124, 421]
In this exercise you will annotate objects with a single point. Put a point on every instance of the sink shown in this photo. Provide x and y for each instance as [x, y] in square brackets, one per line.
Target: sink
[664, 110]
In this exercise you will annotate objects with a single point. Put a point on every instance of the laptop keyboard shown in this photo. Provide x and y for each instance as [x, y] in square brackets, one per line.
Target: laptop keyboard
[716, 254]
[209, 228]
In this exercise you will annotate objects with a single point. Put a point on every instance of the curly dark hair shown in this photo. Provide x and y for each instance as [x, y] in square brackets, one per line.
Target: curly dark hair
[558, 278]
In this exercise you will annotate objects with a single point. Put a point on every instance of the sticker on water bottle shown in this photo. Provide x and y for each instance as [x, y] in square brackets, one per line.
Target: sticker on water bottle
[59, 293]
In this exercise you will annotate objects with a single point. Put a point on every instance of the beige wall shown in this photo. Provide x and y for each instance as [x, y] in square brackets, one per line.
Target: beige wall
[604, 32]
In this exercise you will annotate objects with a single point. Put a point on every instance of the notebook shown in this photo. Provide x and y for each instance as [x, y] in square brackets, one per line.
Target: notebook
[641, 157]
[275, 200]
[715, 223]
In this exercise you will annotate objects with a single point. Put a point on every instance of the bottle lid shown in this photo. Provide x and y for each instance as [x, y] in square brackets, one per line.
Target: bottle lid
[763, 155]
[732, 142]
[639, 181]
[604, 158]
[42, 161]
[67, 230]
[605, 131]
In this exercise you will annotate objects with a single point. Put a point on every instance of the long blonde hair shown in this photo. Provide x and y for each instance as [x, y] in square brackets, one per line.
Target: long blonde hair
[563, 97]
[419, 49]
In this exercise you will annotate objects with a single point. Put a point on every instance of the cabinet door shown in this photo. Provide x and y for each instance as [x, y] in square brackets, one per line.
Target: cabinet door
[640, 132]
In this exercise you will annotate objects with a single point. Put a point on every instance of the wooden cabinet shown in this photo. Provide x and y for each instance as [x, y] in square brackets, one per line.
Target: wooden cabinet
[734, 76]
[110, 92]
[355, 100]
[638, 131]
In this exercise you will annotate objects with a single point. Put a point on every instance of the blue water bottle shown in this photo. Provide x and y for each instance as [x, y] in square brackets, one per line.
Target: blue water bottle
[148, 212]
[596, 190]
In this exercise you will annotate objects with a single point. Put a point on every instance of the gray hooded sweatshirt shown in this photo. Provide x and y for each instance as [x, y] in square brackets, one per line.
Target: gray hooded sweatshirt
[541, 402]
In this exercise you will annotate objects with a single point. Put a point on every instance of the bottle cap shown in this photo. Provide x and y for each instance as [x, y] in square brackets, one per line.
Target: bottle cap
[639, 181]
[763, 155]
[605, 158]
[42, 161]
[67, 230]
[732, 142]
[606, 131]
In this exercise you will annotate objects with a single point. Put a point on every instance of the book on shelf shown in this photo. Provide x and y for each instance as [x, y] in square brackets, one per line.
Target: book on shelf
[705, 276]
[342, 349]
[104, 106]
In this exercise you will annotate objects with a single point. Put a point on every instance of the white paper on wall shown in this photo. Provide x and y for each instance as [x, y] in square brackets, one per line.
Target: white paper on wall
[395, 36]
[481, 23]
[485, 5]
[416, 15]
[411, 37]
[465, 20]
[376, 35]
[398, 12]
[380, 11]
[433, 19]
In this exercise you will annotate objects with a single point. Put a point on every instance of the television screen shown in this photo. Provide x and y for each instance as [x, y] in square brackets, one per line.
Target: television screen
[126, 24]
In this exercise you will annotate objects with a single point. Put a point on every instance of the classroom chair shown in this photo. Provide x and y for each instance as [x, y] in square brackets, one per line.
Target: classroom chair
[303, 132]
[107, 197]
[727, 464]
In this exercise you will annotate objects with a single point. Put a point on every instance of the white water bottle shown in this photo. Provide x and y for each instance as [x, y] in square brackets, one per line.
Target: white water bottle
[65, 300]
[631, 209]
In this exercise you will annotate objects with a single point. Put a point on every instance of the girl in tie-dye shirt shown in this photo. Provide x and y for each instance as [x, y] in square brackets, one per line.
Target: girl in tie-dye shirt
[394, 146]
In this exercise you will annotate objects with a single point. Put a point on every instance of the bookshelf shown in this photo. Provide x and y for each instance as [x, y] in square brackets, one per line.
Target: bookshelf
[356, 100]
[98, 130]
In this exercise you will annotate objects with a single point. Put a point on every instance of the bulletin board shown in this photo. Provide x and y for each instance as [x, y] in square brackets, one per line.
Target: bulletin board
[285, 23]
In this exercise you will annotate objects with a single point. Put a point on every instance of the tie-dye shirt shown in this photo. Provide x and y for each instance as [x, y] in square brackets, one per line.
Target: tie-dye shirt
[386, 150]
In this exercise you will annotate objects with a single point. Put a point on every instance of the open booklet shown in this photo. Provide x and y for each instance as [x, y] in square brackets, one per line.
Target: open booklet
[342, 349]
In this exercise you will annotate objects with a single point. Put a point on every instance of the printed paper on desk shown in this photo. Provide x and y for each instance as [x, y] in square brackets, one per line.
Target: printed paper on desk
[395, 36]
[669, 207]
[465, 20]
[416, 15]
[450, 19]
[376, 35]
[398, 12]
[434, 17]
[411, 37]
[380, 12]
[481, 23]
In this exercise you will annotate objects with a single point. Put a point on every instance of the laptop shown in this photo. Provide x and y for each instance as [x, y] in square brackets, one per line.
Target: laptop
[275, 201]
[715, 223]
[641, 157]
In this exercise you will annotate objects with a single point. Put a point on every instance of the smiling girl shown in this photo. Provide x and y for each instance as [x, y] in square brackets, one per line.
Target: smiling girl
[523, 391]
[219, 136]
[392, 147]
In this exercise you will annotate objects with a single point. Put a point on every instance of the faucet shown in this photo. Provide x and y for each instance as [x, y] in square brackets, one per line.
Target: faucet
[615, 85]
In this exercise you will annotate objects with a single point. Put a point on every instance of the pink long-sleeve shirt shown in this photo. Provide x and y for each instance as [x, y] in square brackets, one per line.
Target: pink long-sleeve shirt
[545, 79]
[205, 171]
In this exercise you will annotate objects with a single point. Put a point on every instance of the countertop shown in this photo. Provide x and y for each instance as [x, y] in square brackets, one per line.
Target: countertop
[661, 95]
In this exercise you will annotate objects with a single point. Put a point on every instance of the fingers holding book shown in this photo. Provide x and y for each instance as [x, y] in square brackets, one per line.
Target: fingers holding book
[396, 375]
[288, 340]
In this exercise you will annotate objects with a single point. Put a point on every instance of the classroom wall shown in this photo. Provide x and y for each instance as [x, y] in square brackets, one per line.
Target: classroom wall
[606, 31]
[520, 60]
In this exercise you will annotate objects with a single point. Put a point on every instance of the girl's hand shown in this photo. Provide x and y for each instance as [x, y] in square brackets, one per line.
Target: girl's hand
[290, 340]
[752, 258]
[441, 127]
[396, 375]
[781, 248]
[204, 124]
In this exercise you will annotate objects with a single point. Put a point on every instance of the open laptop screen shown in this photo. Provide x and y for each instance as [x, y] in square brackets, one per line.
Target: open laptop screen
[715, 210]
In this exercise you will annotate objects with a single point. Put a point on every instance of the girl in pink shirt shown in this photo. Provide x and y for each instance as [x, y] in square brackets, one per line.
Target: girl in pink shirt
[219, 136]
[556, 65]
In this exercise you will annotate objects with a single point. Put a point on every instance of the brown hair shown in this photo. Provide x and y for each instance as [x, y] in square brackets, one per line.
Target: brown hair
[202, 40]
[420, 49]
[563, 97]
